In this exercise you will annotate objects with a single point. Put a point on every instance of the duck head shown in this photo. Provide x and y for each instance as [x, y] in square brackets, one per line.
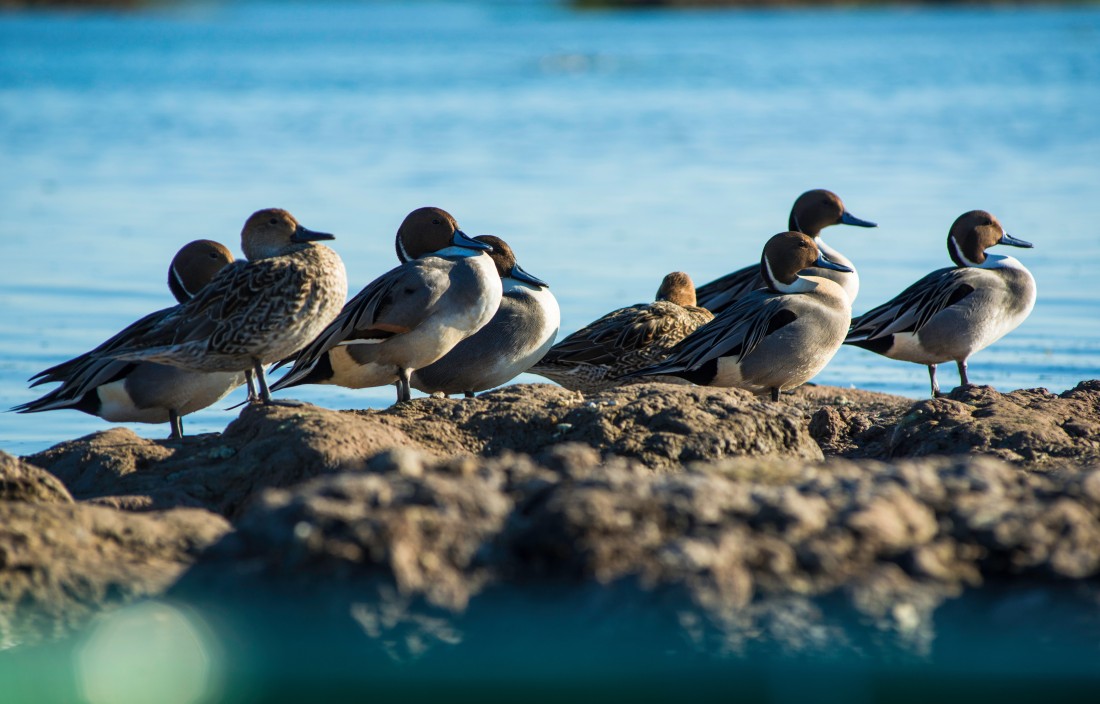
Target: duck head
[195, 265]
[505, 260]
[677, 288]
[788, 253]
[428, 230]
[815, 210]
[974, 232]
[273, 231]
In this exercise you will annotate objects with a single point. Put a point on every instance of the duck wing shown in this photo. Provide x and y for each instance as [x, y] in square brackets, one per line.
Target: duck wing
[88, 375]
[602, 340]
[735, 333]
[133, 331]
[245, 300]
[723, 292]
[911, 309]
[392, 304]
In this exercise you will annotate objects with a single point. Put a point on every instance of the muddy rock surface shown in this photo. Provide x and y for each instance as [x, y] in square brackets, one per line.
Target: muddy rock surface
[61, 563]
[265, 447]
[1029, 427]
[662, 425]
[835, 519]
[849, 422]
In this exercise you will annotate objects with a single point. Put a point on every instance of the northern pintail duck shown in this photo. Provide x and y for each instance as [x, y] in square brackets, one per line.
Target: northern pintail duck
[625, 340]
[254, 312]
[774, 338]
[142, 392]
[812, 212]
[445, 290]
[519, 334]
[952, 313]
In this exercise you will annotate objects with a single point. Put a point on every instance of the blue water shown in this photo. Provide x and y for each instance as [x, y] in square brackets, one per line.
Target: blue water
[608, 148]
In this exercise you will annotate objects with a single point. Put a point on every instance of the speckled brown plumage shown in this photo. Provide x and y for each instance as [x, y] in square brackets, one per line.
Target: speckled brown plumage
[254, 312]
[625, 340]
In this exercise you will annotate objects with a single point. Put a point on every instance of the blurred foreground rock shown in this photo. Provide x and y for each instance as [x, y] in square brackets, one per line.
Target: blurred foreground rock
[727, 542]
[60, 562]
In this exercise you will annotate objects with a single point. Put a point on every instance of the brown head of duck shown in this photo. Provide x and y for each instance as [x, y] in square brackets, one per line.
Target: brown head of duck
[429, 230]
[195, 265]
[788, 253]
[815, 210]
[974, 232]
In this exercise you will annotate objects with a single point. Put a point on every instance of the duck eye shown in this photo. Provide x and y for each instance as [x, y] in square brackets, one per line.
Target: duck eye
[273, 221]
[435, 222]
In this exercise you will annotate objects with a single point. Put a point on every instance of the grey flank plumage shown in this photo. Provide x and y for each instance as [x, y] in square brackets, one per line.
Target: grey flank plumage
[519, 334]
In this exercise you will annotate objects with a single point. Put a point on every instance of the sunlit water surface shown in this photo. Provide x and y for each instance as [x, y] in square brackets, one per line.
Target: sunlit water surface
[608, 148]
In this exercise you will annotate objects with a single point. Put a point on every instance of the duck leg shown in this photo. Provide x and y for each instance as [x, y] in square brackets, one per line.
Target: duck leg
[265, 393]
[258, 370]
[962, 372]
[935, 384]
[775, 394]
[249, 379]
[404, 390]
[176, 422]
[469, 394]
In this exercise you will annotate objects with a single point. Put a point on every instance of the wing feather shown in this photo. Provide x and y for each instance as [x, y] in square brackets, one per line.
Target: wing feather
[122, 339]
[911, 309]
[392, 304]
[724, 292]
[736, 332]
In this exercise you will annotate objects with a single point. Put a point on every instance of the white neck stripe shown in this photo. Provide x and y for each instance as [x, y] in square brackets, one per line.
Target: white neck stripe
[959, 253]
[179, 280]
[771, 276]
[403, 252]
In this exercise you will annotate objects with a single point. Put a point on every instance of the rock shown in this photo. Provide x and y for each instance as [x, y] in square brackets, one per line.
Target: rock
[60, 563]
[94, 464]
[1029, 427]
[663, 425]
[267, 446]
[20, 481]
[894, 520]
[850, 422]
[660, 425]
[722, 544]
[704, 514]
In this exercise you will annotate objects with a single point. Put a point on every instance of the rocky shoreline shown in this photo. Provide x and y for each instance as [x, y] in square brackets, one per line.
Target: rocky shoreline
[715, 523]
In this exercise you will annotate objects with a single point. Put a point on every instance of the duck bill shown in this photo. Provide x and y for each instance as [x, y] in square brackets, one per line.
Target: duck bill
[1013, 242]
[519, 274]
[847, 218]
[302, 234]
[824, 263]
[461, 239]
